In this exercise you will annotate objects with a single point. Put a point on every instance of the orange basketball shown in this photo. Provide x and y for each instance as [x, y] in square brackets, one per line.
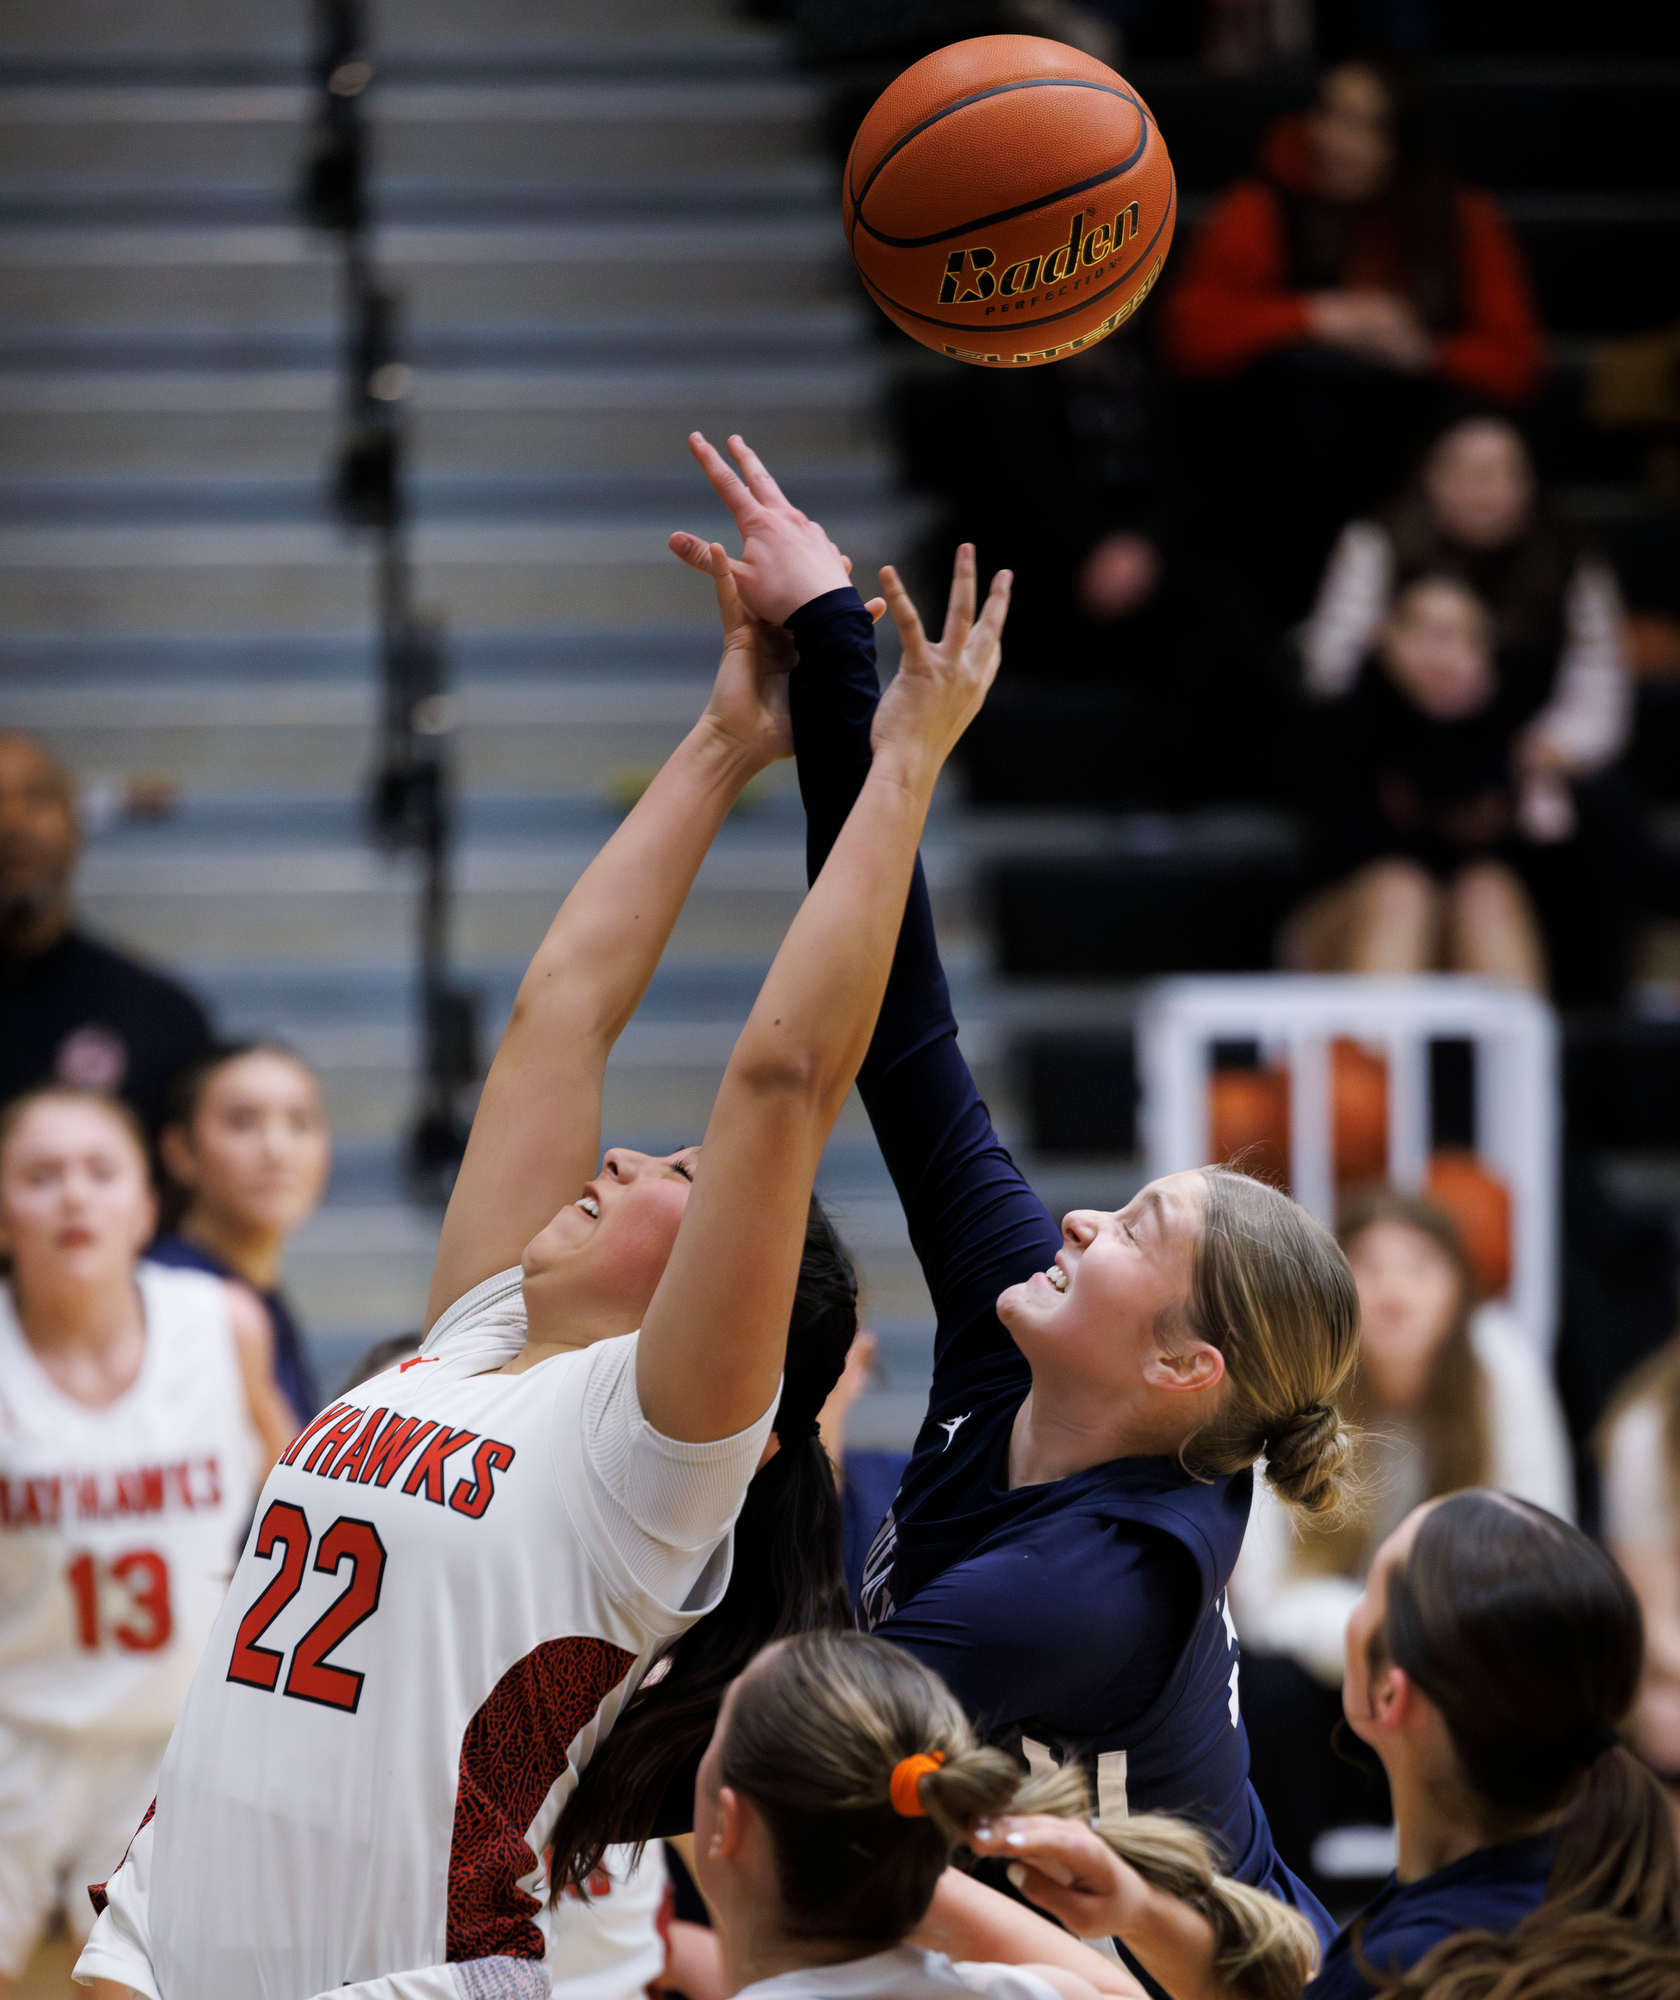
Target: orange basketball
[1359, 1110]
[1248, 1121]
[1009, 200]
[1480, 1204]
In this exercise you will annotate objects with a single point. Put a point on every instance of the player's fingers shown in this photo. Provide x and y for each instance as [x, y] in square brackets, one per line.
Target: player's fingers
[1064, 1847]
[757, 473]
[959, 606]
[730, 607]
[727, 483]
[988, 631]
[1067, 1906]
[877, 609]
[904, 614]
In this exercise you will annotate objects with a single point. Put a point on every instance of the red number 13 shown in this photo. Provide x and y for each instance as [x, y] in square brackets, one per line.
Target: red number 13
[147, 1620]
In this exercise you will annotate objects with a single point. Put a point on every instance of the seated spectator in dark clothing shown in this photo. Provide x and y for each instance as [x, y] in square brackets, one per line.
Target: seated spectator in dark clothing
[248, 1150]
[1350, 293]
[1417, 814]
[72, 1010]
[1125, 635]
[1555, 622]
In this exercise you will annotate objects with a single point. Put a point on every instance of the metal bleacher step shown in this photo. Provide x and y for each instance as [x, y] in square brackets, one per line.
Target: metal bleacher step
[607, 226]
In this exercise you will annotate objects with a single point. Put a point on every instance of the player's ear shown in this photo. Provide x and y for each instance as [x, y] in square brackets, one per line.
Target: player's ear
[1184, 1365]
[728, 1827]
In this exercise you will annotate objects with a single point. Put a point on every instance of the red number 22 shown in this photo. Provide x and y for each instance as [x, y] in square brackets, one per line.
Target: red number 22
[311, 1678]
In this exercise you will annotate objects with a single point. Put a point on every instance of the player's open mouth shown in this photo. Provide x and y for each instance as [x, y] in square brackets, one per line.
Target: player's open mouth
[1058, 1277]
[589, 1205]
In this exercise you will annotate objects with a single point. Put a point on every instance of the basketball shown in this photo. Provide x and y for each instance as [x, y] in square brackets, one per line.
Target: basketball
[1248, 1122]
[1480, 1205]
[1359, 1101]
[1009, 201]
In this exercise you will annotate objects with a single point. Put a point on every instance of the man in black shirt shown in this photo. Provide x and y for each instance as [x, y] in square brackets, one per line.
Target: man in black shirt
[71, 1010]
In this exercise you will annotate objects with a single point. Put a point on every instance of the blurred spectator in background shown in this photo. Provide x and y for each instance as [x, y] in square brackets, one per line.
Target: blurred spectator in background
[1640, 1457]
[1471, 650]
[1071, 476]
[1347, 294]
[73, 1011]
[1443, 1398]
[247, 1150]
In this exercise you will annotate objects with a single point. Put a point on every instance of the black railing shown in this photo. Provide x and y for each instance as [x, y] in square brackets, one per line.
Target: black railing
[411, 794]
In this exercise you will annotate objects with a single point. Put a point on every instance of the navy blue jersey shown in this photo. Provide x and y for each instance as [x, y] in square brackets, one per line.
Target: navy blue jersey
[292, 1369]
[1085, 1618]
[1490, 1890]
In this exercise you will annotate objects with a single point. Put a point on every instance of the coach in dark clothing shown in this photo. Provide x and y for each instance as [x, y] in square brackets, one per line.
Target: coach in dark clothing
[73, 1010]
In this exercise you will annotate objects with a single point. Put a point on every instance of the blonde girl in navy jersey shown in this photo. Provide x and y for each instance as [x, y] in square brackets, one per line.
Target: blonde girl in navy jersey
[1061, 1542]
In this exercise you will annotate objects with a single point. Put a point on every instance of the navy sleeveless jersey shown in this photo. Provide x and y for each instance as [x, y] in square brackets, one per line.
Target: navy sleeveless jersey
[1081, 1619]
[1490, 1890]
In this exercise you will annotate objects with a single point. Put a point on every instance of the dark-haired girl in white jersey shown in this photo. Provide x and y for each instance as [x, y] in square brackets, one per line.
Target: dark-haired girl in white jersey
[459, 1574]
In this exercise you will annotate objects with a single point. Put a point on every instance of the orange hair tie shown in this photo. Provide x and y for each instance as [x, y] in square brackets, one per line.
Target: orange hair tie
[908, 1773]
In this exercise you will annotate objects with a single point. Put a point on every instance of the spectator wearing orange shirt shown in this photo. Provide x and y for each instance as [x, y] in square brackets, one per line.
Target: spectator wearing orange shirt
[1347, 299]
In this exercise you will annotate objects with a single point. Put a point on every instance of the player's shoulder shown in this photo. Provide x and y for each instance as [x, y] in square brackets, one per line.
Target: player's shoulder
[182, 1302]
[485, 1325]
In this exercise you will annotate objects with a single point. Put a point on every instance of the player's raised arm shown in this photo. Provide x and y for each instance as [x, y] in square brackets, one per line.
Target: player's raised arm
[537, 1133]
[712, 1340]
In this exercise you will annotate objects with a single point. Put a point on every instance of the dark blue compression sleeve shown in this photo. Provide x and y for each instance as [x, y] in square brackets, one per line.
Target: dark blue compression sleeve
[975, 1224]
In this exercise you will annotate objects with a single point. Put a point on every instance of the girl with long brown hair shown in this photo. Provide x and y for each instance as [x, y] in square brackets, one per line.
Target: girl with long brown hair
[840, 1779]
[1639, 1451]
[1491, 1662]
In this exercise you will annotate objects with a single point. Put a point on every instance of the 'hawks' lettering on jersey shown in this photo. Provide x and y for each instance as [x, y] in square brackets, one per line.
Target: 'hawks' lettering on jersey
[455, 1579]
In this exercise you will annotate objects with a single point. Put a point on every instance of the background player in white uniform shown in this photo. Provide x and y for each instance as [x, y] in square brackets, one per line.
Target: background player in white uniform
[459, 1575]
[137, 1418]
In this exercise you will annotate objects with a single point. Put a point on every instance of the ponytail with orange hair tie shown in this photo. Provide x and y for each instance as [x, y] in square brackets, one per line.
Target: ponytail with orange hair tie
[904, 1786]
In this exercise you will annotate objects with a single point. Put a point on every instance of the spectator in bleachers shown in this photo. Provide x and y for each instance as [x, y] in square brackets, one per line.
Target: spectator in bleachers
[1640, 1453]
[1471, 650]
[1073, 475]
[1444, 1398]
[1351, 293]
[247, 1150]
[73, 1010]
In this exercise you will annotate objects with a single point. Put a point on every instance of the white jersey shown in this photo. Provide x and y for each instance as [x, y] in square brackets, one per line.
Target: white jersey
[119, 1527]
[903, 1973]
[455, 1580]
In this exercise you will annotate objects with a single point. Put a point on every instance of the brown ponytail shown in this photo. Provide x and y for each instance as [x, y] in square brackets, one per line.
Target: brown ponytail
[1272, 1291]
[817, 1727]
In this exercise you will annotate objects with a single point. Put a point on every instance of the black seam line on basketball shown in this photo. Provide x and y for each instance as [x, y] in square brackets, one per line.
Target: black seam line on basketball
[1048, 319]
[979, 97]
[1007, 214]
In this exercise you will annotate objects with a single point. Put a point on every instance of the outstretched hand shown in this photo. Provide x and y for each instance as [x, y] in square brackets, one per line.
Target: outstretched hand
[1067, 1869]
[786, 558]
[941, 683]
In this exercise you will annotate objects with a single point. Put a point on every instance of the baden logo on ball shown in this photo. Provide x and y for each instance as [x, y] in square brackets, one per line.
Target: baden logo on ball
[1009, 200]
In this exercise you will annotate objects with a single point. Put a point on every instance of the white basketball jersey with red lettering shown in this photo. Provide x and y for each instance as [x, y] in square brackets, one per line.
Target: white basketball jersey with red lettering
[427, 1634]
[119, 1527]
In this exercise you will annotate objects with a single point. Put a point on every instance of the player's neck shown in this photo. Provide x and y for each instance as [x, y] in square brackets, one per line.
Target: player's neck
[251, 1252]
[750, 1952]
[1060, 1430]
[89, 1335]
